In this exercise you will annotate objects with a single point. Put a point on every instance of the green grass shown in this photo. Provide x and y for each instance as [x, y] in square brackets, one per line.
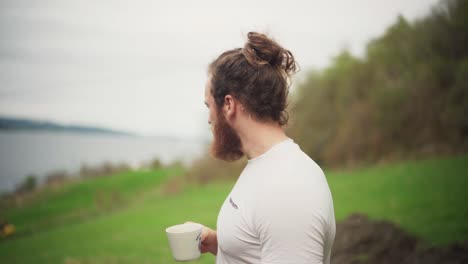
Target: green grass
[79, 200]
[131, 235]
[426, 198]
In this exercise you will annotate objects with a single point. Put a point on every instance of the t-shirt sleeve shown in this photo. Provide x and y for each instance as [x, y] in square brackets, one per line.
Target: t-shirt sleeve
[292, 228]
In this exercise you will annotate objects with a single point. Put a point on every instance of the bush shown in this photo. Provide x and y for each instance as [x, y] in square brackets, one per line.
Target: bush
[29, 184]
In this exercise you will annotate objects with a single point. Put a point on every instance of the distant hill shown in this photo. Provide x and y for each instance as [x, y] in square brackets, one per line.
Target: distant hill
[9, 123]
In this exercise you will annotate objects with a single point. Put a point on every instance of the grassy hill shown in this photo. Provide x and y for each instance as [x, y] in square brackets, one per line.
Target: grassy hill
[121, 219]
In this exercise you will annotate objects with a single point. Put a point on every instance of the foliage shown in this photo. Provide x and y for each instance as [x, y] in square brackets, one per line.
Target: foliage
[208, 169]
[408, 97]
[29, 184]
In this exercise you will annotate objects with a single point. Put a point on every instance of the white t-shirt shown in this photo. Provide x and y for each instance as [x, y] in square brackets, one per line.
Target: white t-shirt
[279, 211]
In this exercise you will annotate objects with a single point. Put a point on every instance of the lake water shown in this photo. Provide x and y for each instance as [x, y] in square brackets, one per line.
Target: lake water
[39, 153]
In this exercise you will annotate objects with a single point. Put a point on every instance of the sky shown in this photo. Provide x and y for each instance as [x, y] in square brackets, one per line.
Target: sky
[140, 65]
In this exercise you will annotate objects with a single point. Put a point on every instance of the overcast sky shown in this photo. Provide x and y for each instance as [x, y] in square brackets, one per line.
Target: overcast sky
[140, 66]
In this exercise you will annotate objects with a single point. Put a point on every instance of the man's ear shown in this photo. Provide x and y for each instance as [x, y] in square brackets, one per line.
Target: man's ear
[229, 107]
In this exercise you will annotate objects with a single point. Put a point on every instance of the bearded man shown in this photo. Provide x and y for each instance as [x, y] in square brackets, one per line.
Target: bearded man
[280, 209]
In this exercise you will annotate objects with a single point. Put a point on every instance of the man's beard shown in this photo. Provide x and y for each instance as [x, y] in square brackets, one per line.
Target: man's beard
[226, 144]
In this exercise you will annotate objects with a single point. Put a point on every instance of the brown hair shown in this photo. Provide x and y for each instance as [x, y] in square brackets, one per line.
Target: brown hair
[257, 75]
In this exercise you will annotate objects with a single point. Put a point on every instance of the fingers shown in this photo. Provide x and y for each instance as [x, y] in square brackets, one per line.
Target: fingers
[203, 248]
[204, 234]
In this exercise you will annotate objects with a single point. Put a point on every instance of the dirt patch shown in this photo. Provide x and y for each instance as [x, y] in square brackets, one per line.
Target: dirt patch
[359, 240]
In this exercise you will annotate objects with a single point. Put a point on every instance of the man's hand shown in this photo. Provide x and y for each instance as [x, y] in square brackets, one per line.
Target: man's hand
[209, 240]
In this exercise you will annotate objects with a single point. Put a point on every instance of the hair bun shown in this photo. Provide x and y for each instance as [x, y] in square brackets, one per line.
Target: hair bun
[261, 50]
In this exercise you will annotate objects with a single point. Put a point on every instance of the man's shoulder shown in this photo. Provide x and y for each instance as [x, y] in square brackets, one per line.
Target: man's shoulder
[300, 161]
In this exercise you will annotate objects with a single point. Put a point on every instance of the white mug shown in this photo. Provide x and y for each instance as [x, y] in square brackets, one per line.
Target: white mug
[184, 241]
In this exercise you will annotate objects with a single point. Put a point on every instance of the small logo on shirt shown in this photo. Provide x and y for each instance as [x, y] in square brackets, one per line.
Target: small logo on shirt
[232, 203]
